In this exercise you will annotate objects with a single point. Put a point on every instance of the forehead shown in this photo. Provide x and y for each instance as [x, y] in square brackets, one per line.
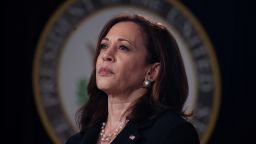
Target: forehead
[126, 29]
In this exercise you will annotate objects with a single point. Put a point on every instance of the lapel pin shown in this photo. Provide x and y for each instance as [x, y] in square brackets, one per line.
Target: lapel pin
[132, 137]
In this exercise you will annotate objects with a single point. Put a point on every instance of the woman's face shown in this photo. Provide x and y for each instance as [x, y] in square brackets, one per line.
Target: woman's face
[121, 66]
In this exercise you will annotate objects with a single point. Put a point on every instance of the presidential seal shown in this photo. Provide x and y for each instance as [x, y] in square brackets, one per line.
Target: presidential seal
[63, 60]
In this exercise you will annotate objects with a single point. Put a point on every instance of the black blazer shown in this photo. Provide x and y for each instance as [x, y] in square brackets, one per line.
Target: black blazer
[166, 128]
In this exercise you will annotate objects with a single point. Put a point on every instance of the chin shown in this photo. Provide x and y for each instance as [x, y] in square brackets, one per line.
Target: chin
[104, 86]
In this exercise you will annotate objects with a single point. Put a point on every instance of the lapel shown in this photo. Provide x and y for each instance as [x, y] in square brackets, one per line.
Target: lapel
[129, 135]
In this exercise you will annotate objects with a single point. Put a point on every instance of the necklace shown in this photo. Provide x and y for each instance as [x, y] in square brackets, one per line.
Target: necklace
[109, 137]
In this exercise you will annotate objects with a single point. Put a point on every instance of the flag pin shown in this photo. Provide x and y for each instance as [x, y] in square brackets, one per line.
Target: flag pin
[132, 137]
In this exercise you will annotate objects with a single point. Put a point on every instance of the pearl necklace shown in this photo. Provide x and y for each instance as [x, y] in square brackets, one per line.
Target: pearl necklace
[109, 137]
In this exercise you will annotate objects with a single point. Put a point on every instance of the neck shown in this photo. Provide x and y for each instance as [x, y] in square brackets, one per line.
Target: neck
[118, 106]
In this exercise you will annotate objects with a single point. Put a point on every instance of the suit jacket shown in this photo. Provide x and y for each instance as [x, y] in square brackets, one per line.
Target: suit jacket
[167, 128]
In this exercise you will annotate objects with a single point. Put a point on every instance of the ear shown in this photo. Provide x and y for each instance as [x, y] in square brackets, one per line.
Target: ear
[153, 72]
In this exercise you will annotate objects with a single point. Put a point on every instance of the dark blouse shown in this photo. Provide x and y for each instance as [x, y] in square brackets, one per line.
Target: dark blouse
[167, 128]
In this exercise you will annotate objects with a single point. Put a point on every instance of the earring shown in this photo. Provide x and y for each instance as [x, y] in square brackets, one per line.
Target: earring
[147, 83]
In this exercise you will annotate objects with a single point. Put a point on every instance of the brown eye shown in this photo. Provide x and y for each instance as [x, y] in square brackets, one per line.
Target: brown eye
[103, 46]
[124, 48]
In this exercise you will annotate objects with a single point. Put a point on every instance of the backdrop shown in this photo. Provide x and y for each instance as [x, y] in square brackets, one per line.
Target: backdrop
[223, 21]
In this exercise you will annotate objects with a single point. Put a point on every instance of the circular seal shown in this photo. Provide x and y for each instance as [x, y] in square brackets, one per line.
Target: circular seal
[63, 60]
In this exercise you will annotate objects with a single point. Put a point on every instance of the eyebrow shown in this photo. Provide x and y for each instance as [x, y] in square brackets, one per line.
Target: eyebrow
[119, 39]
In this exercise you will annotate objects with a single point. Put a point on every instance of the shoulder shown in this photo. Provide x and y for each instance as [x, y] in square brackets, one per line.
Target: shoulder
[170, 116]
[173, 128]
[75, 139]
[169, 120]
[184, 133]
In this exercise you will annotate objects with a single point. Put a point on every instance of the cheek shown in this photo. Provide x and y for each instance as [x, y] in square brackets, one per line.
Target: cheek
[97, 63]
[133, 69]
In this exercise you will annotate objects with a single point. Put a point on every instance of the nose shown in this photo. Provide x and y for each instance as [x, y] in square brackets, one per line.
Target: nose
[109, 55]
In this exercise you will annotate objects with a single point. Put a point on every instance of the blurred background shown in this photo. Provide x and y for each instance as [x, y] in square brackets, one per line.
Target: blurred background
[225, 22]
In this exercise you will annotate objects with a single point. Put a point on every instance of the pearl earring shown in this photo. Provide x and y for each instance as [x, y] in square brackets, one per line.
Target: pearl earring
[147, 83]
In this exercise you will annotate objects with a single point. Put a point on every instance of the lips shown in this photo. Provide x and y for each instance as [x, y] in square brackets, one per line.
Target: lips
[105, 71]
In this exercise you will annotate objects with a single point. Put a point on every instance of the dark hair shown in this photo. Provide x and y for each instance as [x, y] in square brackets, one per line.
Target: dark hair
[170, 89]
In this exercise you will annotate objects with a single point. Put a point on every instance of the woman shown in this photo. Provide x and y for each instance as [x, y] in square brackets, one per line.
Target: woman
[137, 88]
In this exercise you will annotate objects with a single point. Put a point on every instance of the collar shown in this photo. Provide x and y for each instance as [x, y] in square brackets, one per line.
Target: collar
[129, 135]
